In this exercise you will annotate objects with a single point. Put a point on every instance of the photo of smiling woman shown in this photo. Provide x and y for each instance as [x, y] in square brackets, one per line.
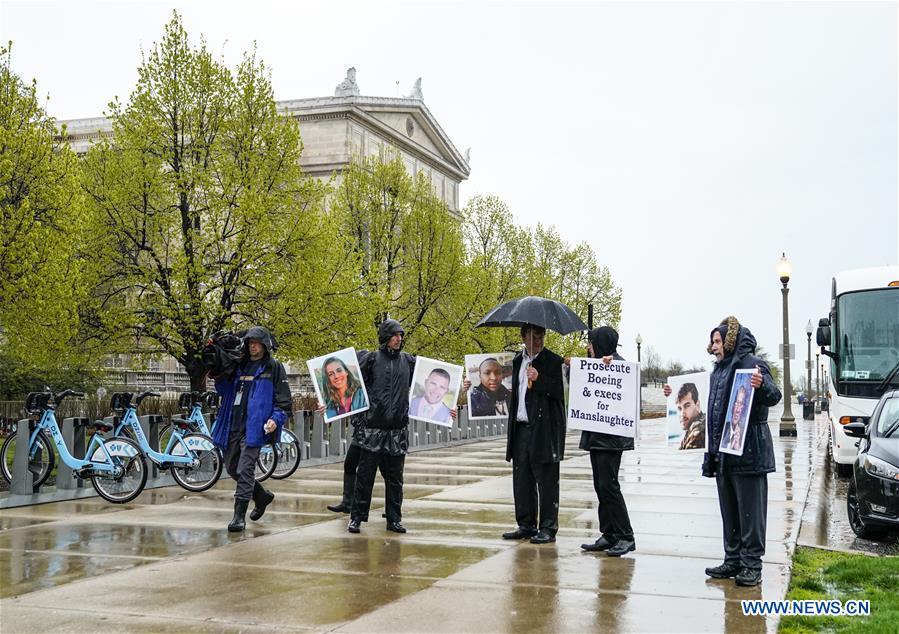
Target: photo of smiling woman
[338, 384]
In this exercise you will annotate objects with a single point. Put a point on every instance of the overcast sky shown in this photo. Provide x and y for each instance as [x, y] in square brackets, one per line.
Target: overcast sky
[688, 143]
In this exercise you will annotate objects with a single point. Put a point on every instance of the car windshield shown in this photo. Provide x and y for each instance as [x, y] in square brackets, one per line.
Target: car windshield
[889, 417]
[868, 334]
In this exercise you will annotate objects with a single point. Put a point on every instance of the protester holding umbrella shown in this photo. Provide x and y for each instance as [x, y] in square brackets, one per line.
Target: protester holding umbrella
[617, 536]
[536, 427]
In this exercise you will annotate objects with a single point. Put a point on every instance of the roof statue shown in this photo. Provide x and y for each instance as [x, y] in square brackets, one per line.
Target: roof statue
[416, 91]
[348, 87]
[467, 155]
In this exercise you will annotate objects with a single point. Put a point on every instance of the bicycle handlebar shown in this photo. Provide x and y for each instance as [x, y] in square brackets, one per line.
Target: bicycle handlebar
[59, 397]
[142, 396]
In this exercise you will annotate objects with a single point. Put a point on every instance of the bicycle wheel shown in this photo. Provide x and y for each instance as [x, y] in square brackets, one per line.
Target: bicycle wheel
[130, 477]
[267, 462]
[207, 466]
[41, 459]
[288, 455]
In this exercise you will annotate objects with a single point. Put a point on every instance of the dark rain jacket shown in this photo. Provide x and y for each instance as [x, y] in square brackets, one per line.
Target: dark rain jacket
[758, 449]
[545, 403]
[388, 377]
[605, 343]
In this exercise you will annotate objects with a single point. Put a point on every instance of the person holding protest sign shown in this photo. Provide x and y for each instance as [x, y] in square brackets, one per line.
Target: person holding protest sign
[617, 536]
[536, 438]
[382, 433]
[742, 480]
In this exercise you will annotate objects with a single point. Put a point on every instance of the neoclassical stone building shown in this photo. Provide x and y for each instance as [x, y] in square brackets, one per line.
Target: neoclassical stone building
[334, 130]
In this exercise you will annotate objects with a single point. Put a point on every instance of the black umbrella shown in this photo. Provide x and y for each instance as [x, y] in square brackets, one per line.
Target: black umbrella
[534, 311]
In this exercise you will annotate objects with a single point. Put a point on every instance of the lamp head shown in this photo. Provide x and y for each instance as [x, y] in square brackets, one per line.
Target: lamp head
[784, 269]
[639, 339]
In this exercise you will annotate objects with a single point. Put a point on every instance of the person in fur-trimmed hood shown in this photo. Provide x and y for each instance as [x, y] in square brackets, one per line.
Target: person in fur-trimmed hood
[742, 480]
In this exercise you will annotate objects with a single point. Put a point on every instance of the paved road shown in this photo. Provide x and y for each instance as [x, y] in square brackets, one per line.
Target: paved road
[825, 521]
[165, 563]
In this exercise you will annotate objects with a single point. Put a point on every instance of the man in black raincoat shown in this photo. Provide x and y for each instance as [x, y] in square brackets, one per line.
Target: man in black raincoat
[617, 536]
[742, 480]
[536, 438]
[382, 433]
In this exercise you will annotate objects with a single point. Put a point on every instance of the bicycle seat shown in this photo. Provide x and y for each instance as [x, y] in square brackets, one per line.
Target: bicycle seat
[99, 425]
[182, 423]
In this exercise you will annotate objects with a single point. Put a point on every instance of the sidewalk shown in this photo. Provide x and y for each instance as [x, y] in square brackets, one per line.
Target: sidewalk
[165, 563]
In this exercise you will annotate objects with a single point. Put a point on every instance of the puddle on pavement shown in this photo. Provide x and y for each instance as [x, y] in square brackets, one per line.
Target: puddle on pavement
[22, 572]
[113, 539]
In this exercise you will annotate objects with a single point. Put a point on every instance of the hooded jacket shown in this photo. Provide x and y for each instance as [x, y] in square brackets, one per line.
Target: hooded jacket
[604, 341]
[388, 377]
[268, 397]
[758, 449]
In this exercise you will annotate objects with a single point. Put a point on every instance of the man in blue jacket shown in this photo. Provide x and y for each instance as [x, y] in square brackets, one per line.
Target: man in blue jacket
[255, 405]
[742, 480]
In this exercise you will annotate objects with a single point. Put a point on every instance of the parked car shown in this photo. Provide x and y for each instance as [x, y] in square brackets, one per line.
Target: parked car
[873, 497]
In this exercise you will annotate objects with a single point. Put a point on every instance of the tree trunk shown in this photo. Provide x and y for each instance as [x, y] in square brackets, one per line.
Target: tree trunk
[197, 373]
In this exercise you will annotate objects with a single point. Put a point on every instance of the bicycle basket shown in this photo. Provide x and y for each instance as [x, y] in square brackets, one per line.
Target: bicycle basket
[185, 400]
[36, 402]
[120, 401]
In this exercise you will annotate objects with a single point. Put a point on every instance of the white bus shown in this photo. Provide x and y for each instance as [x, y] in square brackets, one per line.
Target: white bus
[861, 337]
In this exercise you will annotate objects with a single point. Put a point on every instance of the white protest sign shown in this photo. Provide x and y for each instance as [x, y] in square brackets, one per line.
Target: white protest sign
[604, 398]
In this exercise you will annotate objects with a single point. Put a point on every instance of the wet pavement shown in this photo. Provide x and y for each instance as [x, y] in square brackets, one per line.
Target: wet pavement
[164, 563]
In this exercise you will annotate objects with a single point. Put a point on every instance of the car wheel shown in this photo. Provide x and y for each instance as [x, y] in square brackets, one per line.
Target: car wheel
[844, 470]
[856, 521]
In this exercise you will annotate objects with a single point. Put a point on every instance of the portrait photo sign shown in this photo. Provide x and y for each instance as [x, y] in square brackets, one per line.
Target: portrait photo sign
[686, 420]
[604, 398]
[338, 384]
[733, 437]
[491, 384]
[434, 391]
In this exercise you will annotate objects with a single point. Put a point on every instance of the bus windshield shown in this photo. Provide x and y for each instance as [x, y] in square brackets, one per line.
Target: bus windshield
[868, 334]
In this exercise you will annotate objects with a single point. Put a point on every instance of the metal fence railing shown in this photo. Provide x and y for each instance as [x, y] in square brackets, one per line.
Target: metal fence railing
[320, 444]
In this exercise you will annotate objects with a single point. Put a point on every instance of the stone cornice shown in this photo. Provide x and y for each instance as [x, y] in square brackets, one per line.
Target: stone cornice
[359, 108]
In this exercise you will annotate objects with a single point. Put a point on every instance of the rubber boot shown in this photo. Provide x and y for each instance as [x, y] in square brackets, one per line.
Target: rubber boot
[238, 522]
[262, 497]
[346, 502]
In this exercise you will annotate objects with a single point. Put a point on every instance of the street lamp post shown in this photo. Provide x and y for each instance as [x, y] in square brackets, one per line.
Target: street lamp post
[639, 341]
[808, 332]
[783, 272]
[808, 366]
[822, 387]
[817, 377]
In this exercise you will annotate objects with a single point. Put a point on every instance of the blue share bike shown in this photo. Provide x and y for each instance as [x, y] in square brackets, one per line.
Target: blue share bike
[278, 460]
[193, 459]
[116, 467]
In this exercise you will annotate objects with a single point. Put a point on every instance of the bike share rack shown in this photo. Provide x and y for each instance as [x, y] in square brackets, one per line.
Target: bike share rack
[73, 429]
[68, 487]
[320, 444]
